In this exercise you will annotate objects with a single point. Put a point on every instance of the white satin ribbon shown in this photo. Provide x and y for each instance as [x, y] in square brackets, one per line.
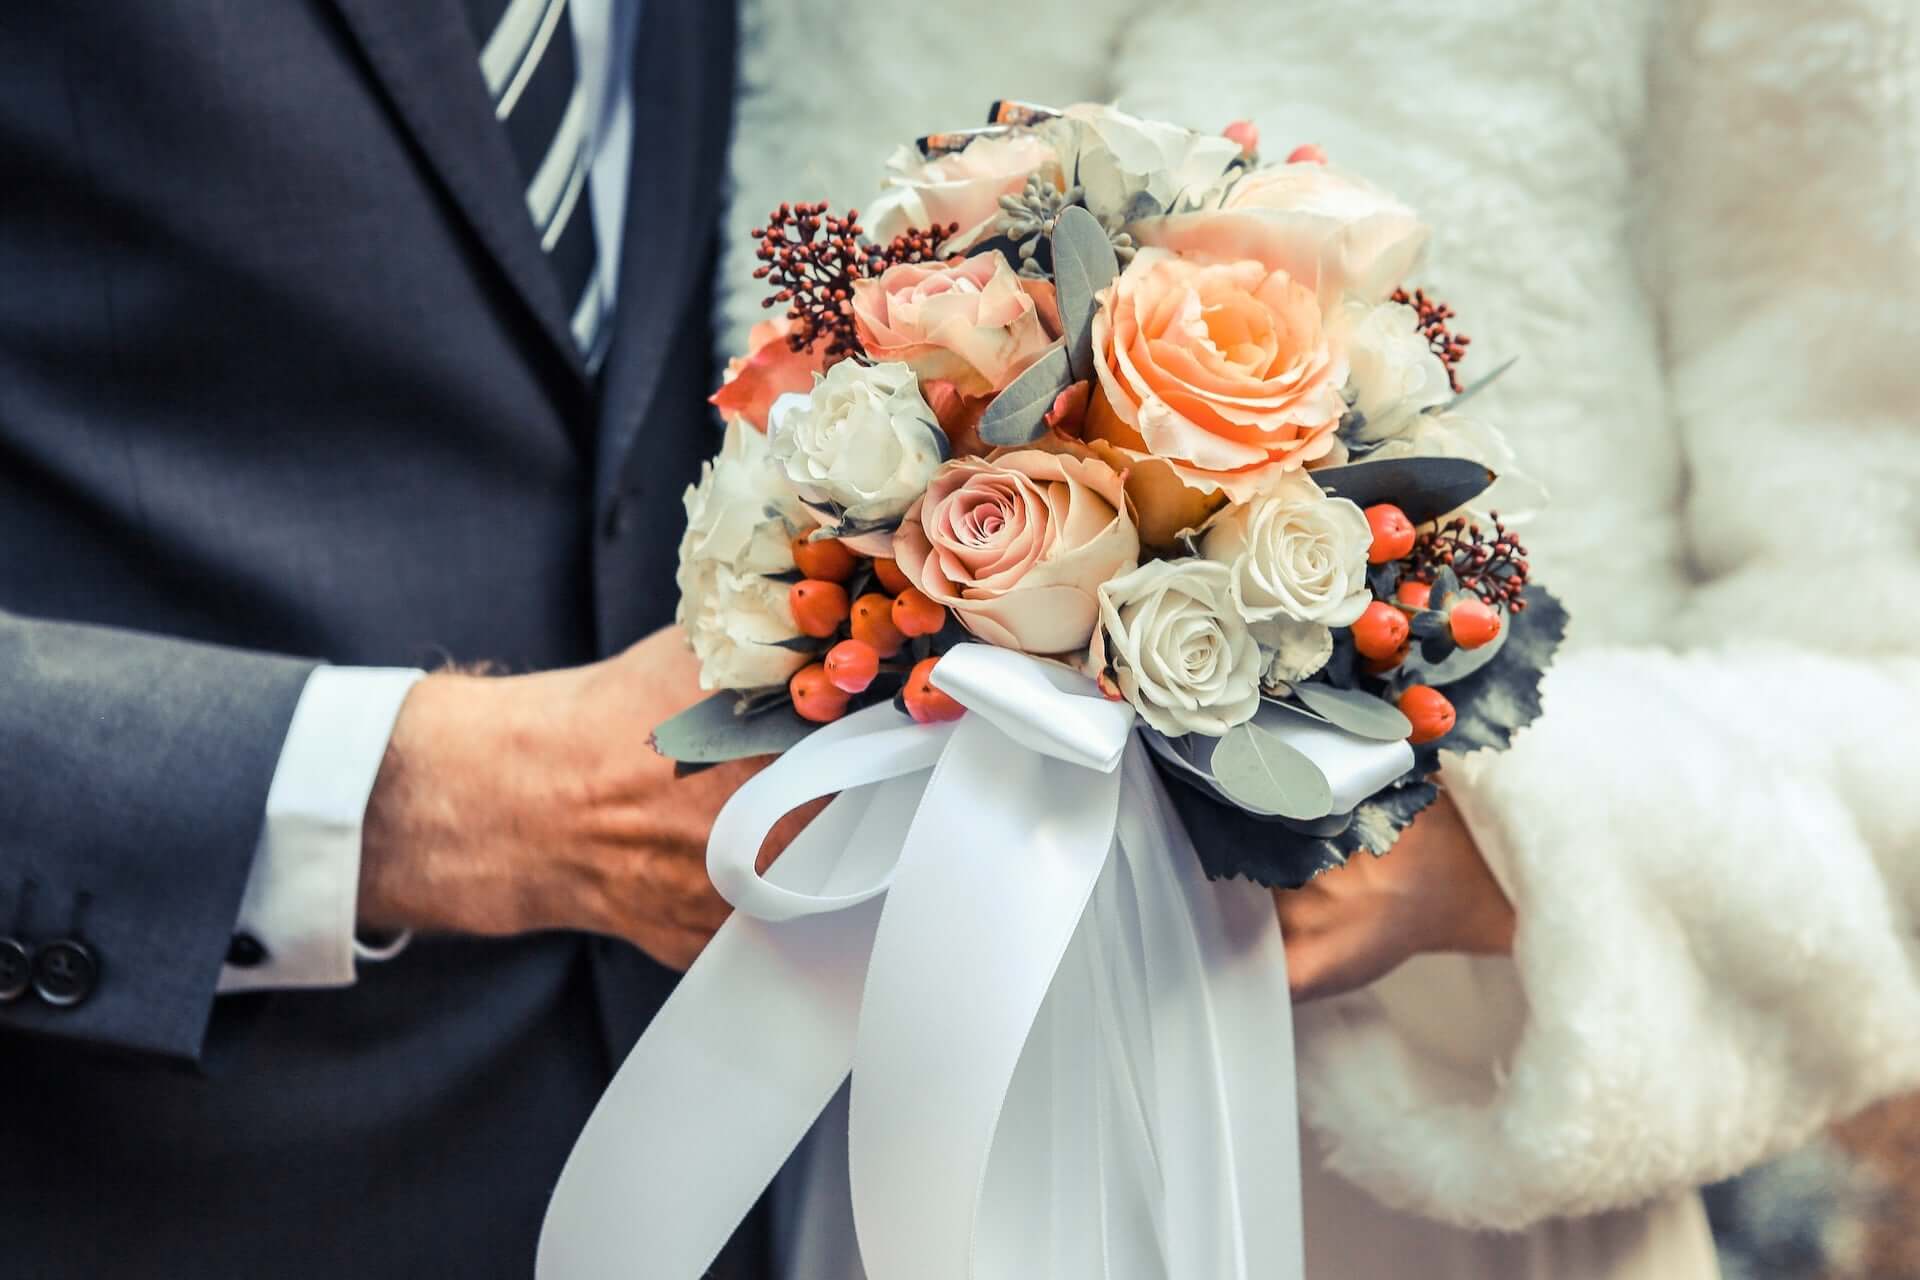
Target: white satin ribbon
[1071, 1053]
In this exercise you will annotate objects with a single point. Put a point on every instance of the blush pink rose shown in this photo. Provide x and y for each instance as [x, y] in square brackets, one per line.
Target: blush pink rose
[974, 322]
[1219, 376]
[770, 369]
[1332, 232]
[1019, 545]
[963, 187]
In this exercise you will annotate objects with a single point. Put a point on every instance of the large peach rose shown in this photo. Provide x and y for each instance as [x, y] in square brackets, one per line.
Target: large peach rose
[1019, 545]
[1215, 378]
[964, 187]
[973, 323]
[1332, 232]
[769, 370]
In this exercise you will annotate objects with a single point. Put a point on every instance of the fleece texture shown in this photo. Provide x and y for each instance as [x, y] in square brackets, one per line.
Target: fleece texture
[1695, 223]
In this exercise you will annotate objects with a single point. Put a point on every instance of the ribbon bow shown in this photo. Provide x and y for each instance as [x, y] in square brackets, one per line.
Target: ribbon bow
[1071, 1054]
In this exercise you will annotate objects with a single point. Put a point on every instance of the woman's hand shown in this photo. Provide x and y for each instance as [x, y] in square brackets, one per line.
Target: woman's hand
[1432, 892]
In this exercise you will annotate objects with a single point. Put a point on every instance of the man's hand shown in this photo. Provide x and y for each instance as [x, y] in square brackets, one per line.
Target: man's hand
[1432, 892]
[506, 805]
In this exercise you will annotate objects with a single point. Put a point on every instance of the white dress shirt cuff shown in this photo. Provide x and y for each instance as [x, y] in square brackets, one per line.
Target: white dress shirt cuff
[296, 926]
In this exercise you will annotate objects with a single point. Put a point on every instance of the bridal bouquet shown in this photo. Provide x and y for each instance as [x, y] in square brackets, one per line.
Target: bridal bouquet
[1116, 395]
[1104, 497]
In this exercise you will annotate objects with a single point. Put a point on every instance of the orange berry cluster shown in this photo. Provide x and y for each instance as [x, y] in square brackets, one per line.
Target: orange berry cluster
[871, 629]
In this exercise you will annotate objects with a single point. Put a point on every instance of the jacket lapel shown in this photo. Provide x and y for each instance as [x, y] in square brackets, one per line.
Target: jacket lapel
[683, 90]
[423, 55]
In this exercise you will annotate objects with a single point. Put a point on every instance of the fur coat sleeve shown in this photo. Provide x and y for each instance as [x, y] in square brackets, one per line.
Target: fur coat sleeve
[1695, 224]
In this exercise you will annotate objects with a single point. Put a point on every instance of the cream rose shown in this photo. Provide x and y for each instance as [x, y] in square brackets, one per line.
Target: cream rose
[1393, 375]
[741, 516]
[1173, 644]
[1117, 158]
[973, 323]
[864, 439]
[1295, 553]
[1019, 545]
[963, 187]
[1217, 375]
[1335, 233]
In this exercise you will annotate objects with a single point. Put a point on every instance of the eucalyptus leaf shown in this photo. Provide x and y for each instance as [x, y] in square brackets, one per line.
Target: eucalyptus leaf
[1018, 414]
[1358, 713]
[712, 731]
[1256, 768]
[1424, 488]
[1475, 387]
[1083, 264]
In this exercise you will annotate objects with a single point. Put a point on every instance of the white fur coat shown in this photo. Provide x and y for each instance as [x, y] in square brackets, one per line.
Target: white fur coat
[1698, 225]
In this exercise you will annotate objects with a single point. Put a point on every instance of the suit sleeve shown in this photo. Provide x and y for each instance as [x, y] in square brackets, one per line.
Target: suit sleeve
[133, 781]
[1713, 846]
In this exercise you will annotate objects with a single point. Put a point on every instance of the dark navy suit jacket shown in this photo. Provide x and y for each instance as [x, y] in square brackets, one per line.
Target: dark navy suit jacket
[285, 377]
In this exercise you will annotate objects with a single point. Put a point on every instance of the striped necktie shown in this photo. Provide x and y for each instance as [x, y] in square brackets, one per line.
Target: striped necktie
[527, 58]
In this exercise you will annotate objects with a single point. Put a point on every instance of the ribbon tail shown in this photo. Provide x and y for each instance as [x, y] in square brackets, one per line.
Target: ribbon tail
[696, 1122]
[990, 887]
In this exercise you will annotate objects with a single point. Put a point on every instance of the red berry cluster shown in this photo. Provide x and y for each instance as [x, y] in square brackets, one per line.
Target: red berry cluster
[874, 627]
[1492, 566]
[1449, 346]
[812, 258]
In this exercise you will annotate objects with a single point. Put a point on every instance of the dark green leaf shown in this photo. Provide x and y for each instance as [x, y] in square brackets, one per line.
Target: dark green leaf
[1428, 622]
[1256, 768]
[711, 731]
[1083, 264]
[1437, 648]
[1424, 488]
[799, 644]
[1356, 712]
[1018, 414]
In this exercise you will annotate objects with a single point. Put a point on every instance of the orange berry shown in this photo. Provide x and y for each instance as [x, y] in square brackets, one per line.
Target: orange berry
[826, 558]
[1380, 631]
[1380, 666]
[890, 576]
[1306, 153]
[1431, 713]
[926, 704]
[814, 697]
[1414, 595]
[819, 607]
[917, 614]
[1473, 622]
[852, 665]
[873, 622]
[1392, 533]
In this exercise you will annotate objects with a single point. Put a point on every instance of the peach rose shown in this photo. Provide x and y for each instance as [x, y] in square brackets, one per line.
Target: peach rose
[1214, 379]
[1332, 232]
[768, 371]
[974, 323]
[964, 187]
[1018, 546]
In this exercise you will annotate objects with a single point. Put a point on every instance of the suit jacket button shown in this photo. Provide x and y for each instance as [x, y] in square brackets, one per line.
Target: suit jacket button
[64, 973]
[16, 970]
[245, 952]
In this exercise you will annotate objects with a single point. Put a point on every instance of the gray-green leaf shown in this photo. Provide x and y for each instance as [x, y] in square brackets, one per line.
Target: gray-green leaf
[712, 731]
[1018, 414]
[1083, 264]
[1356, 712]
[1257, 769]
[1424, 488]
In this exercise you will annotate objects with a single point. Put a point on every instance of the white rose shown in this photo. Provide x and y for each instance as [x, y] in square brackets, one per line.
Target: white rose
[1294, 553]
[1392, 374]
[1177, 648]
[863, 439]
[1293, 651]
[1116, 157]
[741, 516]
